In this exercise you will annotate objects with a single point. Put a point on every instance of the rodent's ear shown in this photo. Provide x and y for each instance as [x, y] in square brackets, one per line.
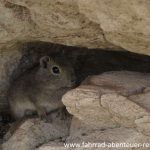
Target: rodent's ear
[44, 60]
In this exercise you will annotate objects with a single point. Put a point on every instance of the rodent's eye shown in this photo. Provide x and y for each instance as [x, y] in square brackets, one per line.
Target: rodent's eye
[55, 70]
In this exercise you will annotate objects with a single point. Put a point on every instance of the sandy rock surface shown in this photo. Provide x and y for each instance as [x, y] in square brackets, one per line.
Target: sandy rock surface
[111, 107]
[31, 133]
[124, 23]
[86, 23]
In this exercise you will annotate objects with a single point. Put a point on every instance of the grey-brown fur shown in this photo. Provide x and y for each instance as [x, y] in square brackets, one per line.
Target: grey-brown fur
[40, 90]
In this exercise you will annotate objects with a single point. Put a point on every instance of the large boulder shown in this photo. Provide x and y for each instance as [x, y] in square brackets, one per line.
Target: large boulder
[111, 107]
[111, 99]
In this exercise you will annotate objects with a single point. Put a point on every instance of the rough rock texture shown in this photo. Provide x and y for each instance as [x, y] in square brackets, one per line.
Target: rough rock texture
[124, 23]
[53, 145]
[105, 100]
[116, 135]
[31, 133]
[53, 21]
[112, 135]
[87, 23]
[111, 107]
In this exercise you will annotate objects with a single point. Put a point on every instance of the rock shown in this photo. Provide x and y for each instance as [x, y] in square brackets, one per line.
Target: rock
[113, 107]
[126, 83]
[78, 127]
[85, 23]
[104, 140]
[101, 140]
[143, 125]
[104, 101]
[84, 104]
[57, 22]
[124, 23]
[33, 132]
[127, 113]
[54, 145]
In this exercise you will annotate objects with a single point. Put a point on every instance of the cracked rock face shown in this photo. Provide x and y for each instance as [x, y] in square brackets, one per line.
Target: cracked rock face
[85, 23]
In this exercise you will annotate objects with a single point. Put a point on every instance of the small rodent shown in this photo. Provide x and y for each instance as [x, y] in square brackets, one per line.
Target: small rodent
[40, 90]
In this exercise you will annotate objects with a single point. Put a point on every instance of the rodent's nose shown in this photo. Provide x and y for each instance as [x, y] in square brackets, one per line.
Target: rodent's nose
[72, 83]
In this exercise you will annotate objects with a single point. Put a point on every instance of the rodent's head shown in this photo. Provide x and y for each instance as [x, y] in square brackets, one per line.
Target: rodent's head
[56, 72]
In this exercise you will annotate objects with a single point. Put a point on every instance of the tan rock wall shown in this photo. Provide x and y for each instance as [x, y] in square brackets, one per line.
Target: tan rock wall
[85, 23]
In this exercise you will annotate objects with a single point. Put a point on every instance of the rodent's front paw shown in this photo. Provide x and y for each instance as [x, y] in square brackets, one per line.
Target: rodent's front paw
[43, 115]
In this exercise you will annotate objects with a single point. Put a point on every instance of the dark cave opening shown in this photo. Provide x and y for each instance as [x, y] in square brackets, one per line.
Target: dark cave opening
[85, 61]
